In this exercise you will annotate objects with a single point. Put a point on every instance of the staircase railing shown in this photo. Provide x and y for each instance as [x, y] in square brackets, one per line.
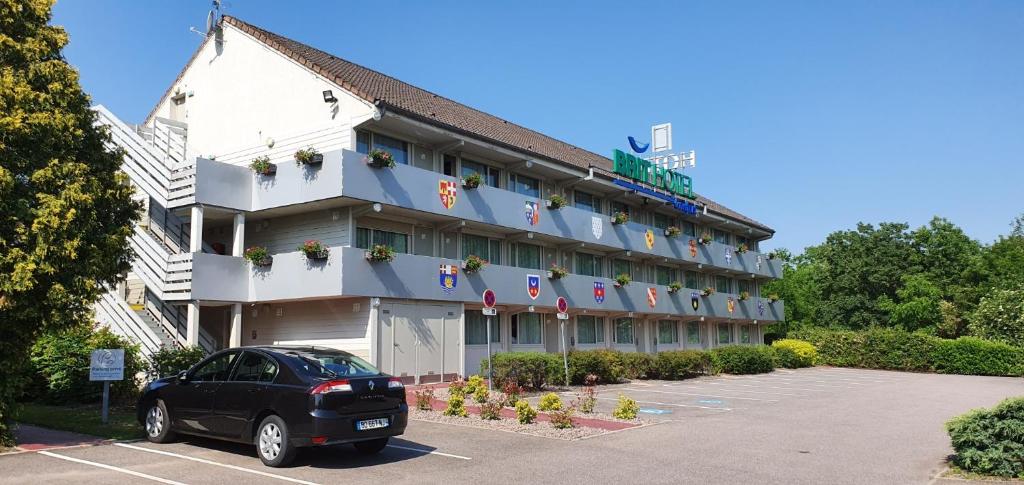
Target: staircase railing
[168, 275]
[122, 319]
[174, 320]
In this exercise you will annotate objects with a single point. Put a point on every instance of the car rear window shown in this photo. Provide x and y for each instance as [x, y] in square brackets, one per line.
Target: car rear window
[332, 363]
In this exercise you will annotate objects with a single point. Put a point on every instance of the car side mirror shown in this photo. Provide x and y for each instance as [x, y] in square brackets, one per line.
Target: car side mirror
[183, 377]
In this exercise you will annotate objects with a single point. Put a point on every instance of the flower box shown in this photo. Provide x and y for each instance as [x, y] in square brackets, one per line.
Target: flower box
[262, 166]
[557, 272]
[742, 248]
[258, 256]
[744, 295]
[473, 264]
[557, 202]
[705, 239]
[380, 253]
[622, 280]
[315, 250]
[672, 231]
[674, 287]
[380, 159]
[472, 181]
[620, 218]
[308, 156]
[707, 291]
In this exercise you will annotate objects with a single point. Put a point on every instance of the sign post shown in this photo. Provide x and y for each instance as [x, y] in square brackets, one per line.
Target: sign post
[489, 300]
[563, 308]
[106, 365]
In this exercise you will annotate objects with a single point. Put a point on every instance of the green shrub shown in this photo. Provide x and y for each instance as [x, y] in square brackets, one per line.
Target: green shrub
[550, 402]
[606, 364]
[530, 369]
[743, 359]
[840, 348]
[626, 408]
[637, 365]
[975, 356]
[457, 388]
[61, 363]
[490, 410]
[877, 348]
[525, 413]
[793, 354]
[562, 418]
[456, 407]
[990, 441]
[481, 394]
[473, 383]
[681, 364]
[169, 361]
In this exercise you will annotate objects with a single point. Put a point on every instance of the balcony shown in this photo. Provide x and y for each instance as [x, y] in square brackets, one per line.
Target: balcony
[292, 277]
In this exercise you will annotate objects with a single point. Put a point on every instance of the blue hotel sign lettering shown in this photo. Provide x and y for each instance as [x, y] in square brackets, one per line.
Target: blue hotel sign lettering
[643, 171]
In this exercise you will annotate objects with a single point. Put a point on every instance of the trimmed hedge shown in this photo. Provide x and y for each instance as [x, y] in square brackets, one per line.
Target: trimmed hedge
[528, 369]
[990, 441]
[892, 349]
[793, 354]
[535, 369]
[606, 364]
[742, 359]
[682, 364]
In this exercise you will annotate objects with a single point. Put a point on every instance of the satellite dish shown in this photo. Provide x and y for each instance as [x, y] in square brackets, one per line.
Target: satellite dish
[211, 21]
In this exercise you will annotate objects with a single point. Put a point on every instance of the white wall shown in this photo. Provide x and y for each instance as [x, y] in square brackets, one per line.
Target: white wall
[240, 92]
[285, 234]
[329, 323]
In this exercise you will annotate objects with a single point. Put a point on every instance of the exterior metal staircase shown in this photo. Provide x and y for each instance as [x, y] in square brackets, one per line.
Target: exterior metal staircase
[155, 161]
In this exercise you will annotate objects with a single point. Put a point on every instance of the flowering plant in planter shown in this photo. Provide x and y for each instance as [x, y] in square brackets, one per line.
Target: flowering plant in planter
[380, 253]
[705, 238]
[262, 166]
[744, 295]
[620, 218]
[772, 255]
[672, 231]
[473, 263]
[308, 156]
[472, 180]
[708, 291]
[742, 248]
[258, 256]
[557, 202]
[380, 159]
[622, 279]
[674, 287]
[772, 298]
[557, 272]
[314, 249]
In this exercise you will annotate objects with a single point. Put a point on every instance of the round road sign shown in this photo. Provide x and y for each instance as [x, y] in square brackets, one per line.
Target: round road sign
[562, 305]
[490, 298]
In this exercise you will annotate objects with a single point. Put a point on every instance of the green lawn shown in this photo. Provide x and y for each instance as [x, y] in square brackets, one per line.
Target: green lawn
[82, 418]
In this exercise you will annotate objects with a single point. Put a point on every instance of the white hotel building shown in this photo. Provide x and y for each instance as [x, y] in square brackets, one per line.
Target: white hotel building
[249, 93]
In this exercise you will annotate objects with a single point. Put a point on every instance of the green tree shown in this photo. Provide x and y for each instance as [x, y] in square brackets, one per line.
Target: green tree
[798, 287]
[66, 211]
[917, 305]
[1000, 316]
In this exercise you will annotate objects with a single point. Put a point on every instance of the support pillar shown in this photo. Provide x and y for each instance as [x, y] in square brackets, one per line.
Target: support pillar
[238, 235]
[195, 244]
[192, 324]
[235, 336]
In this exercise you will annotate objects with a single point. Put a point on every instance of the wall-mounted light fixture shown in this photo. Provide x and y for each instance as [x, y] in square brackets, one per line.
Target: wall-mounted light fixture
[329, 97]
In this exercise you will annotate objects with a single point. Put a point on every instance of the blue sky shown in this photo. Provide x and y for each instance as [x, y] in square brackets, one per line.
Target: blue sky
[807, 116]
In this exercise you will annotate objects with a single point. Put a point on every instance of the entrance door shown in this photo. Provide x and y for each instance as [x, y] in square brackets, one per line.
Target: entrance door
[412, 340]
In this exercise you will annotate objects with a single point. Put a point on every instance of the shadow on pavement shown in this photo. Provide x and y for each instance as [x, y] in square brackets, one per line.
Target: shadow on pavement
[332, 457]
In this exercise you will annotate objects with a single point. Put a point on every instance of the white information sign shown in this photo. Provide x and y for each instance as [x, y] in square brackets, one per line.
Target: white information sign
[107, 365]
[562, 316]
[490, 311]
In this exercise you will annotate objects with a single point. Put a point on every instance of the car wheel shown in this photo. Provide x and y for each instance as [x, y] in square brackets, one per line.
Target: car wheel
[371, 447]
[272, 443]
[158, 423]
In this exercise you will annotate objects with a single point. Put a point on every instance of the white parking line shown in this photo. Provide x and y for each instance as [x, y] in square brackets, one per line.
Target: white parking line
[670, 404]
[809, 382]
[112, 468]
[702, 395]
[767, 387]
[429, 452]
[211, 462]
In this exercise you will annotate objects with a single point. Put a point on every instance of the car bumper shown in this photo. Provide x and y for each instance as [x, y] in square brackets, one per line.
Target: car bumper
[338, 429]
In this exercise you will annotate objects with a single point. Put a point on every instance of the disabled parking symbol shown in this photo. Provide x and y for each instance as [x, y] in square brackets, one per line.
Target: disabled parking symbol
[654, 411]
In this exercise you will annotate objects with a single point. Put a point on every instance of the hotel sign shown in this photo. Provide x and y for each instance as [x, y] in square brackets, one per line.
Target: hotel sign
[640, 170]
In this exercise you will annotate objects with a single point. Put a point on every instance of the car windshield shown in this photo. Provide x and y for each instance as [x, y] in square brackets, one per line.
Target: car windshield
[326, 363]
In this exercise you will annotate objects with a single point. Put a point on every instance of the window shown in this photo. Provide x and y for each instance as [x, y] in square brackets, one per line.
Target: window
[587, 202]
[722, 284]
[588, 264]
[664, 275]
[366, 237]
[742, 285]
[449, 165]
[522, 184]
[367, 141]
[692, 280]
[489, 249]
[662, 221]
[525, 255]
[476, 328]
[216, 369]
[255, 368]
[724, 333]
[589, 330]
[693, 333]
[624, 331]
[668, 332]
[689, 228]
[621, 266]
[526, 329]
[614, 207]
[490, 174]
[721, 236]
[745, 334]
[740, 240]
[327, 363]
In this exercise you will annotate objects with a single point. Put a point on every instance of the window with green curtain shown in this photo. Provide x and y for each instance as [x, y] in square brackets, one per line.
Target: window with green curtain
[745, 334]
[624, 331]
[363, 238]
[665, 275]
[721, 236]
[366, 237]
[476, 328]
[586, 264]
[693, 333]
[692, 280]
[689, 228]
[724, 333]
[722, 284]
[528, 256]
[662, 221]
[589, 329]
[621, 266]
[742, 285]
[495, 252]
[475, 245]
[526, 329]
[668, 332]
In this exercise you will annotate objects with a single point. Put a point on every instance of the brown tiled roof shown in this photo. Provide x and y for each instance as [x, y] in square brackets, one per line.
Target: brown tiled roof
[418, 103]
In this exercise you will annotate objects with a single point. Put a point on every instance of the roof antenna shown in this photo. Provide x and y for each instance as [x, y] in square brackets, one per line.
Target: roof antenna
[212, 20]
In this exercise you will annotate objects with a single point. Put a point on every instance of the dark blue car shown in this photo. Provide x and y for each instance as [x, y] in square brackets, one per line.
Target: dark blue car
[279, 398]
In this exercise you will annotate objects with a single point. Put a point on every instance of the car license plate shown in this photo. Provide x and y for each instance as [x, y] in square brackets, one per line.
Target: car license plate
[371, 424]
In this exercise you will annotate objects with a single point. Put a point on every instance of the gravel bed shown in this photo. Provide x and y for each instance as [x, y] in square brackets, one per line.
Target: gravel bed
[506, 424]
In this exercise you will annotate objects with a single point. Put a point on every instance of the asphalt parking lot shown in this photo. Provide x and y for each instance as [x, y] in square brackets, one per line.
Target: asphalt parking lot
[820, 425]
